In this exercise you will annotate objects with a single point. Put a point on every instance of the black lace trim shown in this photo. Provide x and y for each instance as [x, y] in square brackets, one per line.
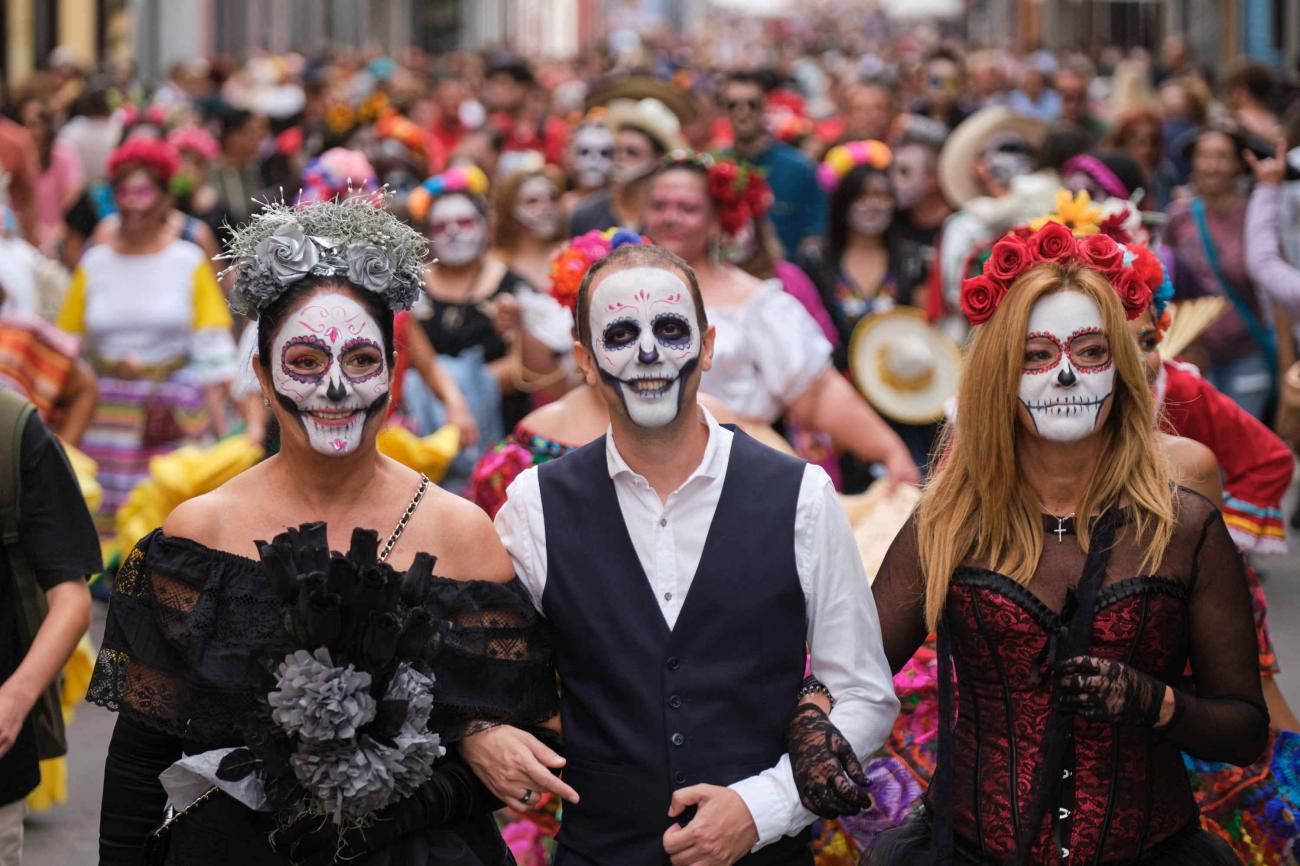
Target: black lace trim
[1132, 586]
[983, 578]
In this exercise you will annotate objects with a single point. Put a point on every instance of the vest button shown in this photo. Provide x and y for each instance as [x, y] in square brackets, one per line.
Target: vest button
[673, 663]
[675, 702]
[678, 739]
[679, 777]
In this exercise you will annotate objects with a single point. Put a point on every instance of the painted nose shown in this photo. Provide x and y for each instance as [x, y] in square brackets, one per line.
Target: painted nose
[647, 351]
[335, 391]
[1067, 377]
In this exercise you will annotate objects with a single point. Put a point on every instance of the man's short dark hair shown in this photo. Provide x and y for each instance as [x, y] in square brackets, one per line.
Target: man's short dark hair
[634, 256]
[756, 77]
[1258, 80]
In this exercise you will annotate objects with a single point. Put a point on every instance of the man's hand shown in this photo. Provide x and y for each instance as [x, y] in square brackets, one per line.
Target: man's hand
[1270, 171]
[514, 764]
[721, 832]
[14, 707]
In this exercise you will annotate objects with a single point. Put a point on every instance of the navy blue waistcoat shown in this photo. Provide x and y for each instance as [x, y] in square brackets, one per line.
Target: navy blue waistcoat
[646, 709]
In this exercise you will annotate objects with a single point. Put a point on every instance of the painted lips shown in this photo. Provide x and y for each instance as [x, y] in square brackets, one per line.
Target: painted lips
[333, 418]
[1069, 406]
[650, 387]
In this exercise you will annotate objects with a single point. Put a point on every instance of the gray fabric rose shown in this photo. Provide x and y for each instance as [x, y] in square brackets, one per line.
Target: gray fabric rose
[411, 762]
[318, 701]
[290, 252]
[351, 780]
[370, 267]
[416, 689]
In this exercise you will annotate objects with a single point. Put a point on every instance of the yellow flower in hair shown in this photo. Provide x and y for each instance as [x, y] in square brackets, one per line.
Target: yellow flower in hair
[1075, 211]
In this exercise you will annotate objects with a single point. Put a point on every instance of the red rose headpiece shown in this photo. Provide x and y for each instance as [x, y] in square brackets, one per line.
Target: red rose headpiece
[1134, 271]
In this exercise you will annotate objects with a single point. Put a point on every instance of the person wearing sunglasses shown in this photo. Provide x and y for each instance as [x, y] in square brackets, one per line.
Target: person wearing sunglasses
[799, 206]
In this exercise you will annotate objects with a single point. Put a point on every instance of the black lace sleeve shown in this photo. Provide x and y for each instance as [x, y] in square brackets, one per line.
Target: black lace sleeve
[496, 663]
[899, 590]
[1226, 718]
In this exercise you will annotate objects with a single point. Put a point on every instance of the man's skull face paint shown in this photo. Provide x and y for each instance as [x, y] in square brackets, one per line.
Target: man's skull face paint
[1068, 374]
[537, 208]
[646, 341]
[592, 155]
[328, 368]
[457, 231]
[910, 171]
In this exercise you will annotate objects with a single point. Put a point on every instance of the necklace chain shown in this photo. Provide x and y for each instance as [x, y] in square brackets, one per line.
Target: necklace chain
[405, 519]
[1060, 526]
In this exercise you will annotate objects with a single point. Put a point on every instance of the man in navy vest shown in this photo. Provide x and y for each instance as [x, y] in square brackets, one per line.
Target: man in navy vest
[684, 568]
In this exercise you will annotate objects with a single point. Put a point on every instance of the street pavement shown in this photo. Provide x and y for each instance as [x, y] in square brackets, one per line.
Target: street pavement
[67, 835]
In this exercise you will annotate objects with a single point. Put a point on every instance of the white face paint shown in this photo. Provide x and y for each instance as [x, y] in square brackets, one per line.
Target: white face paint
[457, 231]
[592, 155]
[646, 340]
[537, 207]
[1068, 373]
[328, 366]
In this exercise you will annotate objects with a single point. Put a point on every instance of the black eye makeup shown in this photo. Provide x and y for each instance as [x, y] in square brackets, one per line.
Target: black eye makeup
[672, 331]
[620, 334]
[305, 359]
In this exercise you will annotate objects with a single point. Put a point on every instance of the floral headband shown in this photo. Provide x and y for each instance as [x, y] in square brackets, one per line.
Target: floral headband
[355, 239]
[1134, 271]
[843, 158]
[571, 264]
[468, 179]
[739, 191]
[337, 173]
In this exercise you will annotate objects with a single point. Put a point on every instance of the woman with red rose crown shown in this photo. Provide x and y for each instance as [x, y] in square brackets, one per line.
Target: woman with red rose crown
[1071, 585]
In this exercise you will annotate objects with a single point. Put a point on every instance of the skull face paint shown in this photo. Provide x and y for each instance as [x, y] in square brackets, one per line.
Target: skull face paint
[1068, 375]
[910, 171]
[328, 368]
[592, 155]
[537, 207]
[457, 231]
[646, 341]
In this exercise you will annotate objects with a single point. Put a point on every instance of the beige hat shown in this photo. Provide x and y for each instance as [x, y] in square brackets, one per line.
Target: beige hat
[649, 116]
[637, 87]
[906, 368]
[970, 138]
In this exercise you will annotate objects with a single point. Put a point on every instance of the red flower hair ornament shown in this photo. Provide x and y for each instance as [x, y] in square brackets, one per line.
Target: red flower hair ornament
[739, 192]
[1134, 271]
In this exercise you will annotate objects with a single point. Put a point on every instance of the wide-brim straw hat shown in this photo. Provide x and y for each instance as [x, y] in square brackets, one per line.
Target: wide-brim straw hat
[650, 116]
[968, 141]
[905, 367]
[638, 87]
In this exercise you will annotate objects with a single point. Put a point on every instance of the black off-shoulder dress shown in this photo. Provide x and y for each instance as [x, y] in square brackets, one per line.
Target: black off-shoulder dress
[186, 626]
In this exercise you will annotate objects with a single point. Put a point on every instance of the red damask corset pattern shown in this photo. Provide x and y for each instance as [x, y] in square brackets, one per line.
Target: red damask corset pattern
[1124, 788]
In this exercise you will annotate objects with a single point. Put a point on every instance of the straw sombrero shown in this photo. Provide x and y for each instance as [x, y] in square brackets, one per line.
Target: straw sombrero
[638, 87]
[904, 366]
[970, 138]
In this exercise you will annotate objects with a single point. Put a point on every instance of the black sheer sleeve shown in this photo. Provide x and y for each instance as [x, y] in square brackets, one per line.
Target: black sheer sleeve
[899, 590]
[1226, 718]
[134, 799]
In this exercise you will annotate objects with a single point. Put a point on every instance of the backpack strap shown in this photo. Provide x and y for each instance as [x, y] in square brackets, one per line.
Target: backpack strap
[30, 611]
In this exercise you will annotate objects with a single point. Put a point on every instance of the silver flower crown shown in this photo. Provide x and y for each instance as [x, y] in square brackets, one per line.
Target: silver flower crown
[356, 239]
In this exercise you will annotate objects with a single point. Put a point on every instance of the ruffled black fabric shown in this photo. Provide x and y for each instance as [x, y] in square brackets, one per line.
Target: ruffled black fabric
[191, 631]
[909, 845]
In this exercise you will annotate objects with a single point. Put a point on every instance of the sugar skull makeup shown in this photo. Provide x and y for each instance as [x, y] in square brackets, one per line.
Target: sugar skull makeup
[592, 155]
[328, 367]
[646, 340]
[1068, 373]
[457, 231]
[537, 208]
[909, 171]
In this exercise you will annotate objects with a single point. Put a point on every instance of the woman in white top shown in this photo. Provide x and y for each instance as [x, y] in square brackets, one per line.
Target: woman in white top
[155, 327]
[770, 359]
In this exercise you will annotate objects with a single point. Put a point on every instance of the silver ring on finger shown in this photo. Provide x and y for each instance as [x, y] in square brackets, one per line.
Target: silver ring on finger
[527, 797]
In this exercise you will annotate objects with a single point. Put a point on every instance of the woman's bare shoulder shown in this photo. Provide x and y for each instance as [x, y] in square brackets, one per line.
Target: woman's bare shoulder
[461, 535]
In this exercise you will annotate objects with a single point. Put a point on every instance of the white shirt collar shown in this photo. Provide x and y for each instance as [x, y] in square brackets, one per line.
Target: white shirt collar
[712, 465]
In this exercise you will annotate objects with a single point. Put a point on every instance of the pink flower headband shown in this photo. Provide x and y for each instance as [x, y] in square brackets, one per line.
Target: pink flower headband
[842, 159]
[1134, 272]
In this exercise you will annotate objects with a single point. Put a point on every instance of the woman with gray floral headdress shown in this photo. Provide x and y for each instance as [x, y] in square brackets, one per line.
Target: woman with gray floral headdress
[217, 649]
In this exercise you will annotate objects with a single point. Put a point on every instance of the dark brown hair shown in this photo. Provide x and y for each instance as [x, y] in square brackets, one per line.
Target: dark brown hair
[634, 256]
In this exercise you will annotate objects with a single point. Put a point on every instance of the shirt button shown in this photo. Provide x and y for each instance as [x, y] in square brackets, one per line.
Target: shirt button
[663, 521]
[679, 777]
[668, 596]
[675, 702]
[678, 739]
[673, 663]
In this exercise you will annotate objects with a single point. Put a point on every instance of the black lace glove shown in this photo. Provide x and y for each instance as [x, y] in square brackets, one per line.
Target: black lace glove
[1102, 690]
[451, 796]
[825, 768]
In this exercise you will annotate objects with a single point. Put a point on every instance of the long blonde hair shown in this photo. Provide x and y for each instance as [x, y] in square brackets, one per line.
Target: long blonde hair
[978, 504]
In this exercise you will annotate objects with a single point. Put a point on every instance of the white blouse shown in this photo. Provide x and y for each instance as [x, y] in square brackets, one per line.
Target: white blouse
[768, 350]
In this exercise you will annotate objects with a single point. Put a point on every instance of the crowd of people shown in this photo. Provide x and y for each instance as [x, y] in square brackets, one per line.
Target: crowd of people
[797, 227]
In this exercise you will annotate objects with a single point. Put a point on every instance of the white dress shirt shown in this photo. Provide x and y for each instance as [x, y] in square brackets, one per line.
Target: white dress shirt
[843, 630]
